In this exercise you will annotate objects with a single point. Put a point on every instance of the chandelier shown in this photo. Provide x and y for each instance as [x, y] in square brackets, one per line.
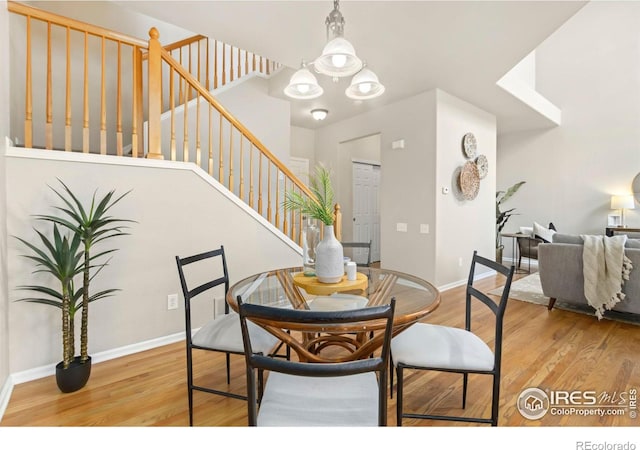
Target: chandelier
[338, 59]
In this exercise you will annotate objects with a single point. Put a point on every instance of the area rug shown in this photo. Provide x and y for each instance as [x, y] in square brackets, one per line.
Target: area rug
[529, 289]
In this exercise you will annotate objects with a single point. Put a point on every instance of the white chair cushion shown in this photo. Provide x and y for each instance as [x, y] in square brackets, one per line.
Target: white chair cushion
[426, 345]
[224, 333]
[291, 401]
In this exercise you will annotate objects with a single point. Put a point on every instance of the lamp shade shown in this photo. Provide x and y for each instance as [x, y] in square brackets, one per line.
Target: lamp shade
[338, 59]
[303, 85]
[364, 85]
[622, 202]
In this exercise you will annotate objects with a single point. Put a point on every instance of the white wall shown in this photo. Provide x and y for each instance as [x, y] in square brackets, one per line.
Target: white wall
[303, 144]
[177, 213]
[268, 118]
[591, 70]
[462, 225]
[4, 131]
[432, 125]
[405, 195]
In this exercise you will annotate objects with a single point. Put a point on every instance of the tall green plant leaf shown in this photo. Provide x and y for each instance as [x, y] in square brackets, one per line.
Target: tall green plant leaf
[93, 226]
[61, 258]
[321, 206]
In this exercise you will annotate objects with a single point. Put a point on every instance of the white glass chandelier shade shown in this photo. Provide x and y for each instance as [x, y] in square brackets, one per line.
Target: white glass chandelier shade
[303, 85]
[319, 114]
[338, 59]
[364, 85]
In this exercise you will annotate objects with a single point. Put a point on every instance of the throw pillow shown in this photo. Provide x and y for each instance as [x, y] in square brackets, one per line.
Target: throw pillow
[542, 232]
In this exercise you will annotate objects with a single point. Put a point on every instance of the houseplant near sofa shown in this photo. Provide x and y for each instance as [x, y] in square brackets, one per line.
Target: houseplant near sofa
[329, 264]
[68, 255]
[502, 217]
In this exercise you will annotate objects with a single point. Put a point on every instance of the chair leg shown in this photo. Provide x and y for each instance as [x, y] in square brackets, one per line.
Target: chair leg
[228, 368]
[552, 301]
[496, 400]
[399, 396]
[382, 400]
[391, 377]
[519, 261]
[190, 386]
[465, 380]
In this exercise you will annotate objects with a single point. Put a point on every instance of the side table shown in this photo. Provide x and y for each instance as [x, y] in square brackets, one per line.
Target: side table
[514, 237]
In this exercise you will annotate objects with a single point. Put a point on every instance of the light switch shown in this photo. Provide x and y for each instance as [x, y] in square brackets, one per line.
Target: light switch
[401, 227]
[424, 228]
[397, 145]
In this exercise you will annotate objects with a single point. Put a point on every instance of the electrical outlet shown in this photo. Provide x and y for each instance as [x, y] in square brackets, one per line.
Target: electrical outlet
[172, 301]
[460, 262]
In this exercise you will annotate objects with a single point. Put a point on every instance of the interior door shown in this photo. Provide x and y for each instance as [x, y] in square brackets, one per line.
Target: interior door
[366, 206]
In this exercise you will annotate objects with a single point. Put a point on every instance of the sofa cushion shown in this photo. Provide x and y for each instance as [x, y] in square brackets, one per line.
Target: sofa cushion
[561, 238]
[632, 243]
[542, 232]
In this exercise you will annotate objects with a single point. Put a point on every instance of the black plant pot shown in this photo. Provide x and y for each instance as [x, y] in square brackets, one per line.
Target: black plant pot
[73, 377]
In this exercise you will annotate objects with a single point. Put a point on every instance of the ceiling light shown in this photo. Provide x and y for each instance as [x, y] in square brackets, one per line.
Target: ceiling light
[319, 114]
[303, 85]
[364, 85]
[338, 59]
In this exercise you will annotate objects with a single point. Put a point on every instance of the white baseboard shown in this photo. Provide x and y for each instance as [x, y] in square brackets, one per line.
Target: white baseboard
[48, 370]
[464, 281]
[5, 395]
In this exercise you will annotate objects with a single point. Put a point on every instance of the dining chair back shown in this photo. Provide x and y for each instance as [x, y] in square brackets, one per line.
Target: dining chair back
[203, 277]
[359, 252]
[304, 391]
[426, 346]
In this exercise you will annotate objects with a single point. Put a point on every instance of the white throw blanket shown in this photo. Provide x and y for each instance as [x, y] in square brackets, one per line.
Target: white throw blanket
[605, 268]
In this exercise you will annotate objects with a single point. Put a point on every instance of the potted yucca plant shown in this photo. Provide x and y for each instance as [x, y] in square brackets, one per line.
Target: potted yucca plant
[329, 263]
[69, 256]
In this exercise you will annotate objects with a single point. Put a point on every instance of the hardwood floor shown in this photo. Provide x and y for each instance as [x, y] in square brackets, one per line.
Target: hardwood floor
[557, 350]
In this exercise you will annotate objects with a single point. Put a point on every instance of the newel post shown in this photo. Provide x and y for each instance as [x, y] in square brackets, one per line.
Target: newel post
[154, 150]
[337, 222]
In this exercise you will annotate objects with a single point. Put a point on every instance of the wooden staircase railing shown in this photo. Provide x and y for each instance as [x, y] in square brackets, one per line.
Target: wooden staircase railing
[214, 139]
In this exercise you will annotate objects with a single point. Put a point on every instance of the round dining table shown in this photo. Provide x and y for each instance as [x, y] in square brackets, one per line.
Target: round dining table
[415, 298]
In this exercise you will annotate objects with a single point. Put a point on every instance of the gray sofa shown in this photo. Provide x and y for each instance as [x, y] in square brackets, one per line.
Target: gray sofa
[560, 267]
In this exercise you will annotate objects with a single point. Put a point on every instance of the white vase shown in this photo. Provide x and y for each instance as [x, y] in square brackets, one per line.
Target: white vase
[329, 258]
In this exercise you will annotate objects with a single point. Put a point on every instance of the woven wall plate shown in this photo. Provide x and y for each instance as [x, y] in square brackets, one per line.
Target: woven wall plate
[469, 180]
[469, 145]
[483, 165]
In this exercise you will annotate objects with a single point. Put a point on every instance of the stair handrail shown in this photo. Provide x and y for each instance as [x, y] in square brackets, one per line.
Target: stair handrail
[77, 25]
[155, 150]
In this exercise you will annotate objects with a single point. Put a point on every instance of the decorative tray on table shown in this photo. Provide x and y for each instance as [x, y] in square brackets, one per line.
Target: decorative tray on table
[315, 287]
